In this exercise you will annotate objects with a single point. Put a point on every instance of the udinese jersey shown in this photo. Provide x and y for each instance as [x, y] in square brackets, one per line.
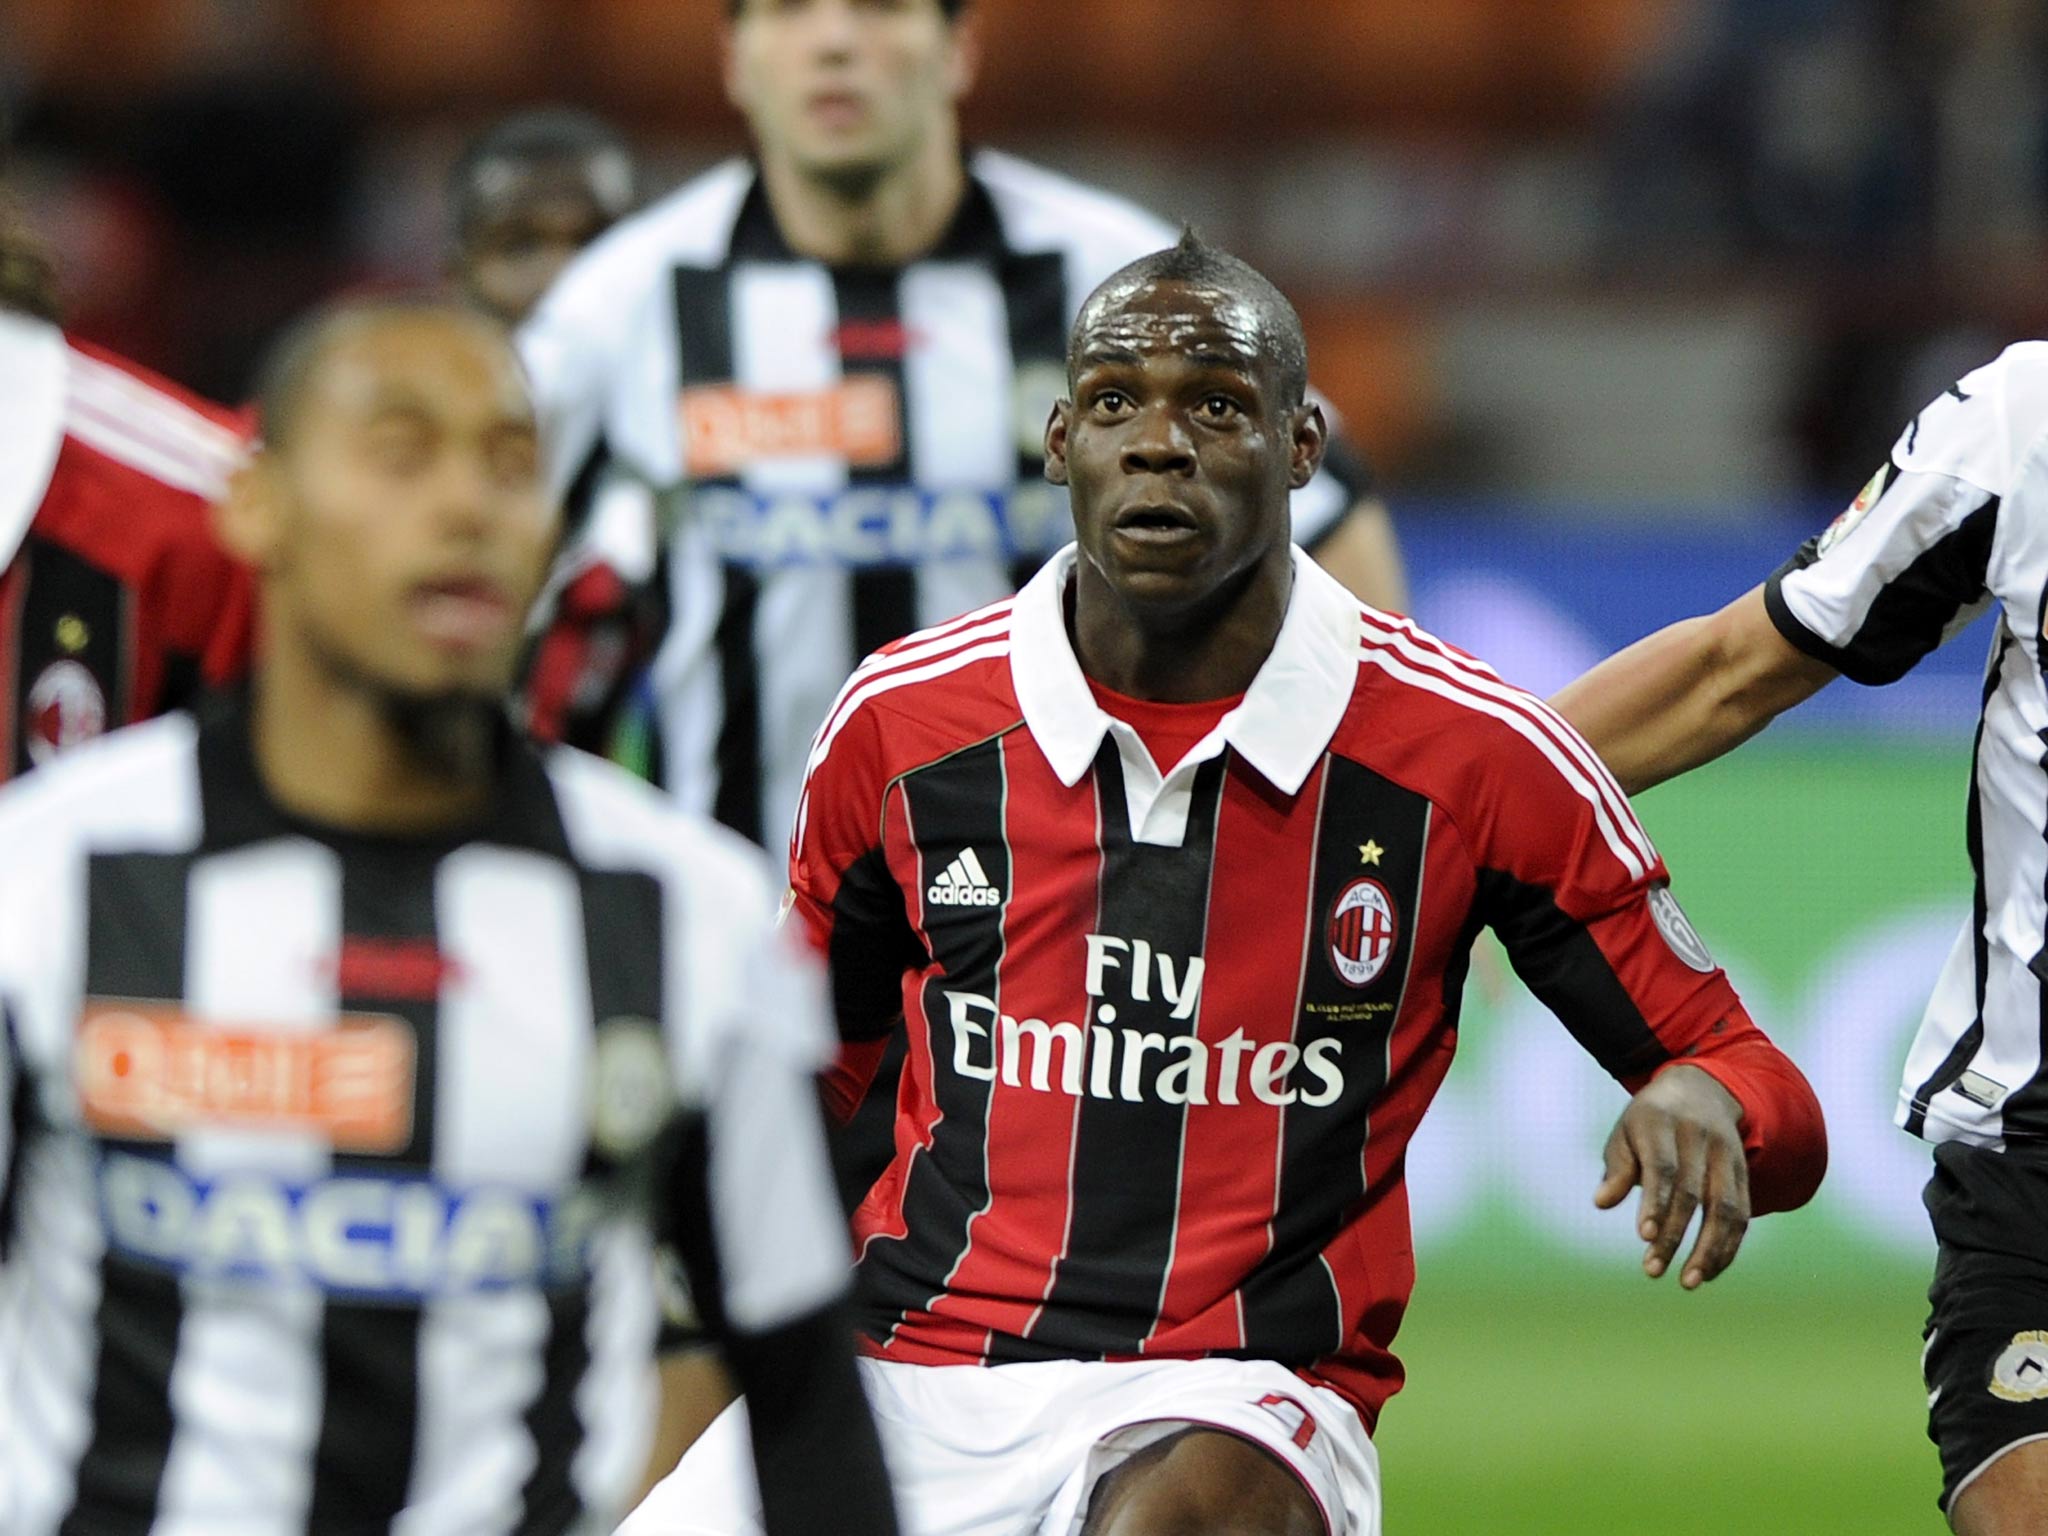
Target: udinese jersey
[1954, 524]
[116, 603]
[844, 455]
[329, 1182]
[1171, 1031]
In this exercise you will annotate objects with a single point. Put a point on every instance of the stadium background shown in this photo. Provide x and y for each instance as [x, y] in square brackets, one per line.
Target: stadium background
[1623, 296]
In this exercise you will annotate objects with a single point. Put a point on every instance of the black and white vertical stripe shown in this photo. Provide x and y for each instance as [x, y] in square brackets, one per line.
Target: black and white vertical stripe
[1961, 526]
[949, 337]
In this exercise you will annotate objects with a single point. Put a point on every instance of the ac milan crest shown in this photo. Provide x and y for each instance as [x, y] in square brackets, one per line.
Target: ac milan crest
[65, 707]
[1363, 930]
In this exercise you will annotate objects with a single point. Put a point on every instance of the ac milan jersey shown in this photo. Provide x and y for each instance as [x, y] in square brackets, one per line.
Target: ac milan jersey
[116, 603]
[1170, 1031]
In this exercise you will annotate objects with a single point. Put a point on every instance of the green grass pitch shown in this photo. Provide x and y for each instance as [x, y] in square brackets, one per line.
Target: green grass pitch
[1607, 1406]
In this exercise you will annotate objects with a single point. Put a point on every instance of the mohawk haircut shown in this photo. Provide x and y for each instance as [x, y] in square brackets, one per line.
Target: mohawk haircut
[1194, 260]
[545, 133]
[295, 359]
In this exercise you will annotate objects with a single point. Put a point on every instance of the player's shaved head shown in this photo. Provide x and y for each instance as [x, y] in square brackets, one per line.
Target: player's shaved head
[397, 515]
[1261, 319]
[490, 167]
[295, 362]
[28, 280]
[734, 9]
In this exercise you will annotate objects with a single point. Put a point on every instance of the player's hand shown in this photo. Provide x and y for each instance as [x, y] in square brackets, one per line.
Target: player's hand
[1681, 1139]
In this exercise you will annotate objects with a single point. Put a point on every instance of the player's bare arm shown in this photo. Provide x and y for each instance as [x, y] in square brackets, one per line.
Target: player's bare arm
[1690, 692]
[1363, 552]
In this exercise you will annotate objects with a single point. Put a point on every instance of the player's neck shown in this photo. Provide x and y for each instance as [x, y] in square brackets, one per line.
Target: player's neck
[330, 752]
[1209, 652]
[885, 222]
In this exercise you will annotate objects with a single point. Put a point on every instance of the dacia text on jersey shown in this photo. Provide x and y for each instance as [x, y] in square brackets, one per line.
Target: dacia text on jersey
[389, 1238]
[881, 525]
[1104, 1061]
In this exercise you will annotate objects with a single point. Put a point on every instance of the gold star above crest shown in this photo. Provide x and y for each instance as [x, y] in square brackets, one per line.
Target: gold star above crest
[1369, 852]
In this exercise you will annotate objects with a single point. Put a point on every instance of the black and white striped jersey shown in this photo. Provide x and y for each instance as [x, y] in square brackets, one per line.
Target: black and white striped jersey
[1956, 524]
[334, 1160]
[846, 454]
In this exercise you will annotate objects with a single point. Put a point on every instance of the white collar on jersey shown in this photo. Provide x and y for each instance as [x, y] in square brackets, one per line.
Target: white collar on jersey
[32, 386]
[1289, 713]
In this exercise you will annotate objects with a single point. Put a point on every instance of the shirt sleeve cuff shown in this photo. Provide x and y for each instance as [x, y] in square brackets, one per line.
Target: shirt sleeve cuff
[1800, 638]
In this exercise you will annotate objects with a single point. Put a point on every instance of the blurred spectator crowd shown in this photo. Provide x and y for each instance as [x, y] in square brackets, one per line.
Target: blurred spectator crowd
[1698, 253]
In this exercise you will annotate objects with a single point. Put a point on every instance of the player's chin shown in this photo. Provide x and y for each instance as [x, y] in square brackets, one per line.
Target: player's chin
[851, 160]
[1175, 574]
[1153, 590]
[459, 681]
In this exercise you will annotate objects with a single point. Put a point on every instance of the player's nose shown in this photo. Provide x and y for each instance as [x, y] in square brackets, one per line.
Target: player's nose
[1158, 444]
[465, 498]
[831, 28]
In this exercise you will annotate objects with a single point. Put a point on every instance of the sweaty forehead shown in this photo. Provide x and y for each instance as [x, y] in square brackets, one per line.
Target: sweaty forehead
[1148, 317]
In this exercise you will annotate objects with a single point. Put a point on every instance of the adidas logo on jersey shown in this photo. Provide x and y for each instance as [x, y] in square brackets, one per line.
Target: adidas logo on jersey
[963, 883]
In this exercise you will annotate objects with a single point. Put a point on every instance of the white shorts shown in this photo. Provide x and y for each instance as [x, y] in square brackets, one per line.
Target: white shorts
[1015, 1450]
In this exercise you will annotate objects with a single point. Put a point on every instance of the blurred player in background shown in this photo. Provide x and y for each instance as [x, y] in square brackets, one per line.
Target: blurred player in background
[844, 349]
[116, 602]
[837, 360]
[352, 1046]
[1174, 863]
[527, 195]
[1955, 523]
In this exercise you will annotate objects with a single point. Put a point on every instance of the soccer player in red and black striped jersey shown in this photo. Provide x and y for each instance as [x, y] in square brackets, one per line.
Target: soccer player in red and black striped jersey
[116, 602]
[1173, 863]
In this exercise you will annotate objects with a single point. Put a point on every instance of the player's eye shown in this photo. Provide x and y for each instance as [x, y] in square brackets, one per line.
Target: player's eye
[1220, 408]
[1111, 402]
[401, 450]
[514, 459]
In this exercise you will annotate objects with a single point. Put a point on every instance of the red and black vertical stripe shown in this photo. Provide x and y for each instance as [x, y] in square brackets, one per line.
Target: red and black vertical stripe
[955, 804]
[1128, 1152]
[70, 611]
[1369, 828]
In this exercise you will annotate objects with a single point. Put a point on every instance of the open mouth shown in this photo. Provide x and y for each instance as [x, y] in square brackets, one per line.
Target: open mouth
[1156, 524]
[1156, 520]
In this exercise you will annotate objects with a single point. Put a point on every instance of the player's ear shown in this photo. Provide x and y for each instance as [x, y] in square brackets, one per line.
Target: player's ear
[729, 65]
[963, 57]
[1311, 442]
[1056, 442]
[248, 518]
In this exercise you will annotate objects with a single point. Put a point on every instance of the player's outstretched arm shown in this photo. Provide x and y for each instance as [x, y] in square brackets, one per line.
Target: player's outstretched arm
[1721, 1120]
[1907, 565]
[1364, 553]
[1690, 692]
